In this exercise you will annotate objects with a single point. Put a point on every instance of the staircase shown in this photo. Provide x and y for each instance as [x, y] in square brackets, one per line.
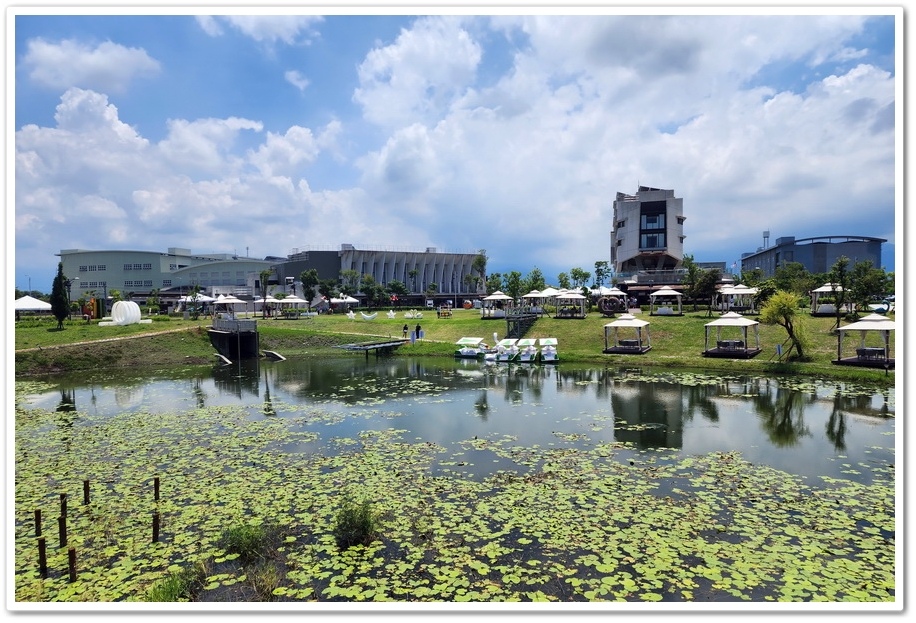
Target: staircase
[517, 325]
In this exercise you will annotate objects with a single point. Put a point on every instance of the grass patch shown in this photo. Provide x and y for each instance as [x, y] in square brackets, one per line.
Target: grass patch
[355, 524]
[180, 585]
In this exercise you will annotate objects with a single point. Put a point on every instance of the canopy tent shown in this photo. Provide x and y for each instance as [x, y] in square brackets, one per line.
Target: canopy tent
[733, 348]
[818, 306]
[571, 305]
[30, 303]
[738, 297]
[200, 297]
[627, 321]
[495, 305]
[664, 293]
[873, 323]
[345, 300]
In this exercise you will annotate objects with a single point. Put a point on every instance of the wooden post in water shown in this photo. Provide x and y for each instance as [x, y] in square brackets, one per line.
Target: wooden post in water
[63, 504]
[42, 558]
[156, 488]
[155, 527]
[62, 530]
[71, 563]
[37, 522]
[85, 492]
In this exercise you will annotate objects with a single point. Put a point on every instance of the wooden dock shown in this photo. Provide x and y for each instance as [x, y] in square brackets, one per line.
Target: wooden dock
[380, 348]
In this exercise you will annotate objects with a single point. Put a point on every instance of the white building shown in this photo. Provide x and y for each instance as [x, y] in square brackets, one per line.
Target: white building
[97, 272]
[648, 235]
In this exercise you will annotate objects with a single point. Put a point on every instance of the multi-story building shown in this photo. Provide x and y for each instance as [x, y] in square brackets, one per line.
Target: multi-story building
[817, 255]
[648, 234]
[418, 270]
[175, 272]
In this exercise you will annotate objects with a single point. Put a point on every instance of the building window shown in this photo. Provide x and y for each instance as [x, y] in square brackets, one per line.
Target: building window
[652, 241]
[127, 266]
[138, 266]
[621, 224]
[681, 219]
[620, 242]
[166, 283]
[653, 221]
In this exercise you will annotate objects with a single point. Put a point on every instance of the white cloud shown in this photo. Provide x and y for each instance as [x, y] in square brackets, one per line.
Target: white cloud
[296, 79]
[108, 66]
[288, 29]
[204, 145]
[418, 76]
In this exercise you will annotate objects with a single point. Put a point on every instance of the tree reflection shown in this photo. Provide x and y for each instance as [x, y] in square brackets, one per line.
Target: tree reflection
[783, 417]
[67, 401]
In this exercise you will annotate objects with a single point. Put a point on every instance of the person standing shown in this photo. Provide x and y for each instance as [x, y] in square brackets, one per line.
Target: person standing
[406, 329]
[418, 331]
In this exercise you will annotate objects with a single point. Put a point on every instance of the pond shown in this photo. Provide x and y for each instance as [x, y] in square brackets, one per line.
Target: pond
[488, 482]
[802, 426]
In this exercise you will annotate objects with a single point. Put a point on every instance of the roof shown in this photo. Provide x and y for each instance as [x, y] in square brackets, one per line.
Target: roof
[872, 322]
[732, 319]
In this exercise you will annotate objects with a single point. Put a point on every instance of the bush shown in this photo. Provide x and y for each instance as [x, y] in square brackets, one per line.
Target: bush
[355, 524]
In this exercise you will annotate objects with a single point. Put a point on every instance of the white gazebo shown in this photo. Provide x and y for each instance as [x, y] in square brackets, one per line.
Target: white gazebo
[665, 306]
[735, 348]
[739, 298]
[818, 307]
[496, 305]
[868, 353]
[571, 305]
[630, 324]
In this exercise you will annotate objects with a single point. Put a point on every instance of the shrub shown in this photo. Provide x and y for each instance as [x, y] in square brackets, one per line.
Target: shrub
[355, 524]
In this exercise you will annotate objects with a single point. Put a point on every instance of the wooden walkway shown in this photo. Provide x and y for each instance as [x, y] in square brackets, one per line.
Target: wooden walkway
[386, 346]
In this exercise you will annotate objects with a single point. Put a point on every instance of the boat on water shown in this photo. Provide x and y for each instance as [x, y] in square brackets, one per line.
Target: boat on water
[506, 350]
[548, 353]
[527, 350]
[471, 348]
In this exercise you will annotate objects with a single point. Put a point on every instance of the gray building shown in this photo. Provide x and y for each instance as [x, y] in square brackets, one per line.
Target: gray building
[817, 255]
[648, 234]
[94, 273]
[418, 270]
[97, 272]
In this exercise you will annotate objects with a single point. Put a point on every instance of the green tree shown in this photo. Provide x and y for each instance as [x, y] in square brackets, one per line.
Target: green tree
[782, 309]
[373, 291]
[309, 280]
[579, 277]
[349, 281]
[839, 277]
[534, 281]
[794, 277]
[265, 278]
[494, 282]
[563, 281]
[514, 284]
[194, 304]
[866, 283]
[752, 277]
[705, 288]
[398, 289]
[413, 273]
[602, 271]
[60, 305]
[691, 277]
[152, 300]
[479, 265]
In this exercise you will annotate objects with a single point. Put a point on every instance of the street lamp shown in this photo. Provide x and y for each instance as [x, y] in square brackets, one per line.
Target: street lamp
[67, 285]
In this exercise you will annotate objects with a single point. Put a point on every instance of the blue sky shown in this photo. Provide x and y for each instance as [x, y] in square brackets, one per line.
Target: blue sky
[509, 132]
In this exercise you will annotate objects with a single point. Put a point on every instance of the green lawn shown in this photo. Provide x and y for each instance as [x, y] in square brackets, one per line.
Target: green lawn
[677, 341]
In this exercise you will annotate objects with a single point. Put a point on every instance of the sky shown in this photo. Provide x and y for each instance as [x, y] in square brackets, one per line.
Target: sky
[510, 131]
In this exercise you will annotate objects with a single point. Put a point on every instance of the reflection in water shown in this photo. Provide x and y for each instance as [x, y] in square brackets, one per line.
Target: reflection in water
[776, 421]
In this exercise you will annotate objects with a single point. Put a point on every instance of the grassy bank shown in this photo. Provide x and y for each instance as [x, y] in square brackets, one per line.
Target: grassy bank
[677, 341]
